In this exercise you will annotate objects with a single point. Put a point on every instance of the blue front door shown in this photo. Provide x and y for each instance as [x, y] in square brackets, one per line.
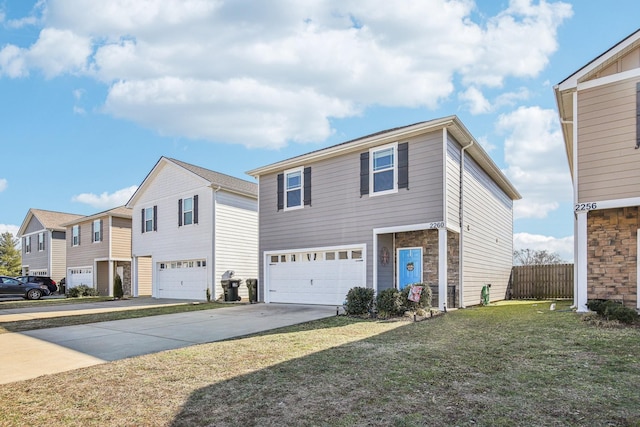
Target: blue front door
[409, 266]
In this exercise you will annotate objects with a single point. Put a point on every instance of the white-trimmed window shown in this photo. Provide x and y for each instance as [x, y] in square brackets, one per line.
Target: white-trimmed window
[384, 173]
[27, 245]
[187, 211]
[75, 235]
[97, 230]
[40, 242]
[148, 220]
[293, 183]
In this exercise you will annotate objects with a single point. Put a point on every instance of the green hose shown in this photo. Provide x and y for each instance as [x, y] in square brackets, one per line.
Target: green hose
[485, 295]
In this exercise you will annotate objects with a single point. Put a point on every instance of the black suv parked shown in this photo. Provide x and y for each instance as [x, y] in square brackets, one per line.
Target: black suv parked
[48, 281]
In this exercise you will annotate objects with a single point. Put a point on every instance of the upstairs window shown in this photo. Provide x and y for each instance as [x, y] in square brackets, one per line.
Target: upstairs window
[188, 211]
[97, 230]
[149, 219]
[40, 242]
[293, 189]
[75, 235]
[27, 245]
[383, 167]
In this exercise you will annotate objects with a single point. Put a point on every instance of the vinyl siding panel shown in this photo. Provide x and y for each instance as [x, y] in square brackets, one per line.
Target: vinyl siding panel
[488, 235]
[236, 239]
[33, 226]
[453, 184]
[121, 238]
[58, 248]
[607, 158]
[145, 275]
[87, 251]
[37, 260]
[338, 215]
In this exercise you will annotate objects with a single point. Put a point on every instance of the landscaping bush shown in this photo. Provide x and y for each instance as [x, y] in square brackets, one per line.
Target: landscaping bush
[82, 291]
[612, 310]
[388, 303]
[359, 301]
[117, 287]
[420, 307]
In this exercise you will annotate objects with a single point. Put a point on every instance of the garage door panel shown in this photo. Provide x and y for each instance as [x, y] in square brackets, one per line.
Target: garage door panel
[323, 281]
[182, 283]
[79, 276]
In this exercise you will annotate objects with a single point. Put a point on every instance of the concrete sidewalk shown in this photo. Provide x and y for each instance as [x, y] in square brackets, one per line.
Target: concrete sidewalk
[46, 351]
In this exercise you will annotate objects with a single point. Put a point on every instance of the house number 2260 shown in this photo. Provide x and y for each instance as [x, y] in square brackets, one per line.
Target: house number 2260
[436, 224]
[585, 206]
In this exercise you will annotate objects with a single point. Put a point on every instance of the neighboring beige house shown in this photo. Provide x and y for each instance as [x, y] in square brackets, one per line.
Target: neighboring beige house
[99, 247]
[599, 107]
[419, 203]
[43, 243]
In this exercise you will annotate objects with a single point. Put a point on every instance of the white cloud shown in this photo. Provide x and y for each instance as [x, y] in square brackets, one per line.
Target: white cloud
[253, 73]
[106, 200]
[475, 101]
[563, 246]
[3, 184]
[13, 229]
[537, 164]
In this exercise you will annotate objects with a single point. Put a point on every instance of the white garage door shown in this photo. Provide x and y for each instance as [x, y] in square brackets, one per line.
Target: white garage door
[181, 280]
[80, 276]
[314, 277]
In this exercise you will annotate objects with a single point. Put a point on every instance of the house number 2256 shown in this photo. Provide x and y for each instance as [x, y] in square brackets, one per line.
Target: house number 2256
[586, 206]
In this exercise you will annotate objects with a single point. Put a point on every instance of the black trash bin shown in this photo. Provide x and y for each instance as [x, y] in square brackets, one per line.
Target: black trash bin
[230, 286]
[252, 286]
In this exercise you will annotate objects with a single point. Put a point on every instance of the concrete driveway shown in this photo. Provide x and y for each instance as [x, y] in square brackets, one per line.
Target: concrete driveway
[46, 351]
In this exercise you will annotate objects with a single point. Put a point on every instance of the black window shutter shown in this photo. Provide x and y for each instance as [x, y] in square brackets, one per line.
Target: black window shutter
[142, 217]
[44, 239]
[195, 209]
[403, 165]
[280, 191]
[155, 218]
[637, 115]
[364, 173]
[180, 213]
[79, 233]
[307, 186]
[101, 230]
[93, 231]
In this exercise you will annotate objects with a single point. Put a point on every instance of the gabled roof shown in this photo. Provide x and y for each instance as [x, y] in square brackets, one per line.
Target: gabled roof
[565, 89]
[452, 123]
[119, 212]
[50, 220]
[215, 180]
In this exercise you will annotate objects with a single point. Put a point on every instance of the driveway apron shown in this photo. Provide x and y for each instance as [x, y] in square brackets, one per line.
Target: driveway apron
[47, 351]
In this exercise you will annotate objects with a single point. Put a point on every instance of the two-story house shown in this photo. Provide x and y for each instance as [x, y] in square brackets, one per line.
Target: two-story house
[420, 203]
[599, 108]
[190, 226]
[43, 235]
[98, 249]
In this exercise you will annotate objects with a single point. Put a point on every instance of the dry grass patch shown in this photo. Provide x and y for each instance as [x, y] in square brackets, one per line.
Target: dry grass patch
[507, 365]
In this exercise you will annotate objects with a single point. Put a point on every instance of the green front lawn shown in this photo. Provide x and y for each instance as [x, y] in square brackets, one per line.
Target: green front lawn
[503, 365]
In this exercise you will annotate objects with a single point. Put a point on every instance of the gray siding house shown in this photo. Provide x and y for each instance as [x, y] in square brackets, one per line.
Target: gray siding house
[420, 203]
[43, 243]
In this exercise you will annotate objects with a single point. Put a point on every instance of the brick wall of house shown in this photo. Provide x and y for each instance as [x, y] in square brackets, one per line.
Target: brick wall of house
[612, 255]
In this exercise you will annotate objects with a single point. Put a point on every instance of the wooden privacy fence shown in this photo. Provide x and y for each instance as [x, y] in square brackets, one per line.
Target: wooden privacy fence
[553, 281]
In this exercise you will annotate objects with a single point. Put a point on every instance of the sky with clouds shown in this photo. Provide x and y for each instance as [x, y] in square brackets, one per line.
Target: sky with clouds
[94, 92]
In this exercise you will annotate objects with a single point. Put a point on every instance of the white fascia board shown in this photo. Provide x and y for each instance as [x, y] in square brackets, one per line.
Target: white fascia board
[609, 204]
[613, 78]
[572, 81]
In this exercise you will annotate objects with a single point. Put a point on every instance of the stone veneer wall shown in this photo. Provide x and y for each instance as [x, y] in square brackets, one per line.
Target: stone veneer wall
[612, 255]
[428, 240]
[126, 272]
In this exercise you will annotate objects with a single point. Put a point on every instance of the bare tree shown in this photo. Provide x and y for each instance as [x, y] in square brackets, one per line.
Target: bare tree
[536, 257]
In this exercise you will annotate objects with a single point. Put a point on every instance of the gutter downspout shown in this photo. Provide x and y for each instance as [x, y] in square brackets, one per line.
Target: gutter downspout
[212, 261]
[461, 248]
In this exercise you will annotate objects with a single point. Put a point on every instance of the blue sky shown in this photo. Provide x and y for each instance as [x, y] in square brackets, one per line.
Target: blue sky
[93, 93]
